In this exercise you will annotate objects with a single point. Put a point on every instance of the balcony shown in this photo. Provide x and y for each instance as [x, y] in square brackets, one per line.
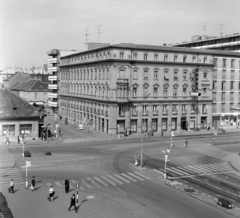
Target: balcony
[165, 112]
[145, 113]
[52, 95]
[122, 99]
[204, 112]
[98, 111]
[193, 112]
[121, 115]
[52, 60]
[52, 78]
[184, 112]
[122, 81]
[52, 86]
[106, 114]
[134, 113]
[52, 69]
[52, 103]
[155, 113]
[175, 112]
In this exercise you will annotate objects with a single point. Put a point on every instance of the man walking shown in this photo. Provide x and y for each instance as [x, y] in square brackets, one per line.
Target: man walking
[73, 203]
[66, 185]
[11, 187]
[186, 143]
[18, 138]
[7, 138]
[51, 193]
[33, 183]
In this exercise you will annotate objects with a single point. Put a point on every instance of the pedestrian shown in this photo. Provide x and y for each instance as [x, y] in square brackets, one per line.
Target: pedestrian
[186, 143]
[33, 183]
[18, 138]
[7, 138]
[66, 185]
[23, 138]
[73, 203]
[51, 193]
[11, 186]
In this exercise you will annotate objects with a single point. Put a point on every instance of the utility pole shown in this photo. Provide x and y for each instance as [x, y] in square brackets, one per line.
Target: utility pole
[99, 32]
[86, 34]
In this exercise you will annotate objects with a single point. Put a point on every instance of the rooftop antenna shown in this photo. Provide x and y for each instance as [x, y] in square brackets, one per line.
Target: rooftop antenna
[86, 38]
[99, 32]
[221, 33]
[204, 28]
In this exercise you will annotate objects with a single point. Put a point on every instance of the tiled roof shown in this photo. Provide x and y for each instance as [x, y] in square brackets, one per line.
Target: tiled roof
[32, 85]
[14, 85]
[13, 106]
[7, 79]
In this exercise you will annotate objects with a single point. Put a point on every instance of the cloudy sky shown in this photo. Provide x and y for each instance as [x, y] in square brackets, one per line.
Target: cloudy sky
[30, 28]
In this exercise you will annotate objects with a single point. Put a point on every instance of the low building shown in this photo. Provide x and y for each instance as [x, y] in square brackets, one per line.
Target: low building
[33, 91]
[18, 117]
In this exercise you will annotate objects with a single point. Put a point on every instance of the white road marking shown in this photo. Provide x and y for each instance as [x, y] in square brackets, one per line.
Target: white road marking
[118, 176]
[114, 179]
[100, 181]
[93, 182]
[145, 177]
[136, 177]
[108, 180]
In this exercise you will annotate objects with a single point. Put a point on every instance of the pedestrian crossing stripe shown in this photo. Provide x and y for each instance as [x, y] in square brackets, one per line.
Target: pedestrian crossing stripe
[196, 170]
[136, 176]
[108, 180]
[115, 180]
[100, 181]
[84, 139]
[128, 177]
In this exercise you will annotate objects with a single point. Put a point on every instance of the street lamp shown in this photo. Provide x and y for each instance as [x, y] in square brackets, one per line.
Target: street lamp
[142, 138]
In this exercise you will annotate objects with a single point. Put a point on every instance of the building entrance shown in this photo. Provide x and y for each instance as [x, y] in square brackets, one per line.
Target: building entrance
[183, 123]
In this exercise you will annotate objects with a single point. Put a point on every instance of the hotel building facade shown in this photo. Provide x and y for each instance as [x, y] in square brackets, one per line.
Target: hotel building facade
[137, 87]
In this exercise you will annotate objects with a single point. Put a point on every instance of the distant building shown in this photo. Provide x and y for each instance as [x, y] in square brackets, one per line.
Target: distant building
[18, 117]
[54, 56]
[225, 43]
[35, 92]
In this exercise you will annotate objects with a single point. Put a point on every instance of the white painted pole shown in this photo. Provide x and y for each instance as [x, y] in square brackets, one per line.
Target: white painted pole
[26, 176]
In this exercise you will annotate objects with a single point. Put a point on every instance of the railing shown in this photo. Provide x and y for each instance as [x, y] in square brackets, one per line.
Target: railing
[121, 115]
[175, 112]
[134, 114]
[122, 80]
[165, 112]
[155, 113]
[145, 113]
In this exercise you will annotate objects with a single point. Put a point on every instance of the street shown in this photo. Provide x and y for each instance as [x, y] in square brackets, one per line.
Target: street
[105, 170]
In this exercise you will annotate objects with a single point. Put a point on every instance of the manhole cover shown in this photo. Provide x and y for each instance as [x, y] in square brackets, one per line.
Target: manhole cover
[189, 190]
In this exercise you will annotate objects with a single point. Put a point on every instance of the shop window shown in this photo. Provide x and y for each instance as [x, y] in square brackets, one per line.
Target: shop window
[134, 126]
[10, 129]
[164, 124]
[26, 129]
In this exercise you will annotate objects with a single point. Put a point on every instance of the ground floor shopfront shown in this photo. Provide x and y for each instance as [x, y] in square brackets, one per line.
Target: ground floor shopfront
[226, 120]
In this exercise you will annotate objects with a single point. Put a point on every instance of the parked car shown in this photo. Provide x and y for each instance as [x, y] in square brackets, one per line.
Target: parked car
[221, 130]
[225, 203]
[27, 153]
[80, 126]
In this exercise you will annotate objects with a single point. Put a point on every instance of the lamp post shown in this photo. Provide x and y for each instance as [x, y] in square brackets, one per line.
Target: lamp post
[142, 137]
[166, 159]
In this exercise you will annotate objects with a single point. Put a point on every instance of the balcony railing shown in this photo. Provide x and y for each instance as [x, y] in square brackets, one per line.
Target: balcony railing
[145, 113]
[52, 60]
[165, 112]
[52, 103]
[106, 114]
[52, 95]
[52, 69]
[204, 112]
[52, 78]
[134, 114]
[52, 86]
[175, 112]
[184, 112]
[155, 113]
[121, 115]
[122, 81]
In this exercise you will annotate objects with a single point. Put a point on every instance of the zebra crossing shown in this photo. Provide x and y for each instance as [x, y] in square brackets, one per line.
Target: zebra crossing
[212, 151]
[8, 171]
[88, 139]
[196, 170]
[103, 181]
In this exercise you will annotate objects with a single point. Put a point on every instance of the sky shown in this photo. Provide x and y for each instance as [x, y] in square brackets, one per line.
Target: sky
[31, 28]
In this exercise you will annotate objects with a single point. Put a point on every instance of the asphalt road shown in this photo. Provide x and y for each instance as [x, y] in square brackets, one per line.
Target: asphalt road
[147, 198]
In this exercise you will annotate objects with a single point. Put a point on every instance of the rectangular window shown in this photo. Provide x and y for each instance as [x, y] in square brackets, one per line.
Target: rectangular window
[8, 129]
[26, 129]
[145, 57]
[134, 56]
[135, 74]
[175, 76]
[174, 109]
[145, 92]
[194, 59]
[204, 91]
[103, 74]
[107, 74]
[204, 108]
[224, 63]
[205, 75]
[156, 75]
[144, 109]
[175, 58]
[231, 85]
[165, 57]
[145, 74]
[223, 96]
[154, 109]
[164, 124]
[36, 94]
[223, 86]
[215, 61]
[214, 86]
[184, 91]
[121, 110]
[174, 93]
[166, 76]
[91, 75]
[121, 55]
[204, 60]
[134, 110]
[99, 75]
[155, 57]
[134, 92]
[184, 75]
[165, 93]
[232, 63]
[155, 92]
[165, 109]
[184, 59]
[184, 108]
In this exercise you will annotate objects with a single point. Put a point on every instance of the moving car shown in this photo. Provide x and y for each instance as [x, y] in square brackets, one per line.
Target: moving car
[225, 203]
[80, 126]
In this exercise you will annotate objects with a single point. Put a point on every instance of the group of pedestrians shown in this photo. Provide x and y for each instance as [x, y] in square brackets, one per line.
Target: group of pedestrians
[51, 192]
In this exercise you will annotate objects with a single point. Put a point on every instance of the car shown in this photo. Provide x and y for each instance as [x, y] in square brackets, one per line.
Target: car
[225, 203]
[221, 130]
[80, 126]
[27, 153]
